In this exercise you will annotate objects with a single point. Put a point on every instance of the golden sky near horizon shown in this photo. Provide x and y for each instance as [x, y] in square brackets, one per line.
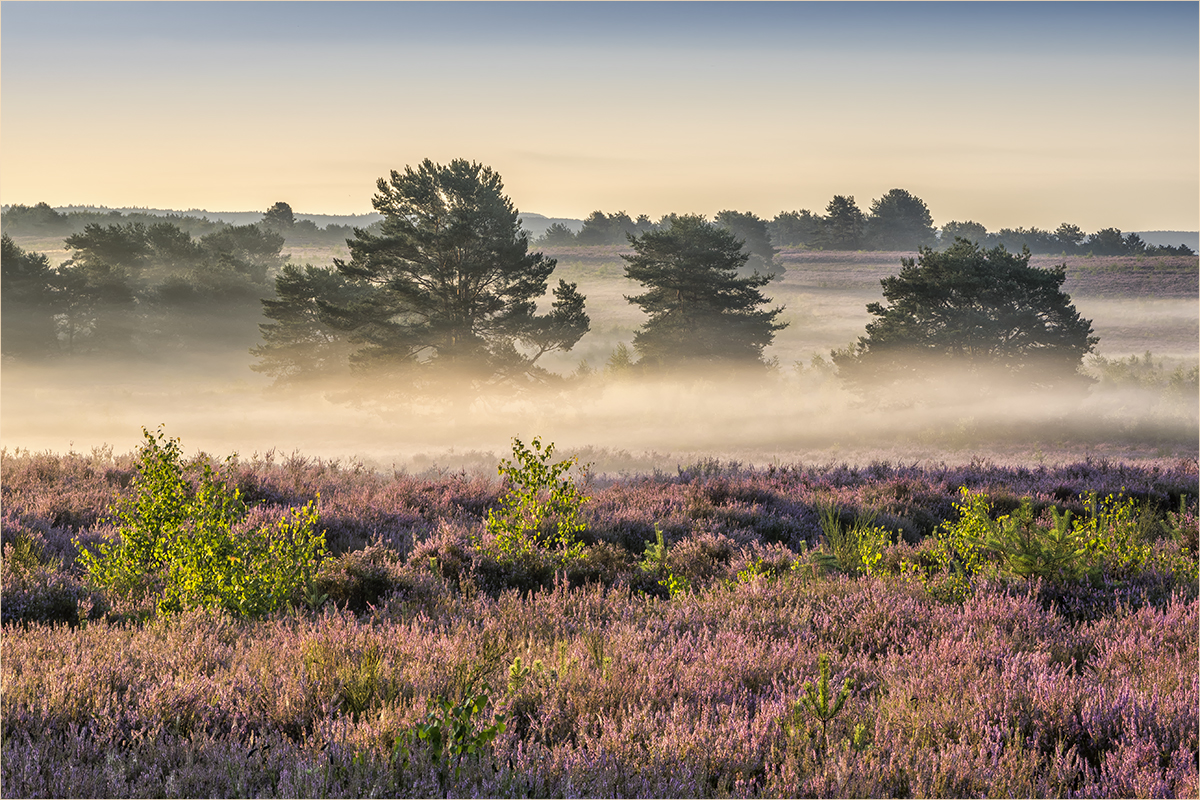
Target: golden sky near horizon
[1009, 115]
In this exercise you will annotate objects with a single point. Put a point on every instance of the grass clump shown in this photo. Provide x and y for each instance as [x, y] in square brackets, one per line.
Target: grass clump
[855, 549]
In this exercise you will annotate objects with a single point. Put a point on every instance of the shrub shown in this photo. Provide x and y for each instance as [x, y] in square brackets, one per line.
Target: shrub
[186, 548]
[540, 513]
[1108, 545]
[956, 557]
[855, 549]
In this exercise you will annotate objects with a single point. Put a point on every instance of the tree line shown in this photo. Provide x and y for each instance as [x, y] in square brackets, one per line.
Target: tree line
[42, 220]
[443, 292]
[135, 288]
[898, 220]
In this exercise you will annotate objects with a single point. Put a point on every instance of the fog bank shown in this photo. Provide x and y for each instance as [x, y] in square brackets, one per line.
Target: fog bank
[621, 425]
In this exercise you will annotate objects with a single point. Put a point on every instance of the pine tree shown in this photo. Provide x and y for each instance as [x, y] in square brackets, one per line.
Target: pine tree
[701, 311]
[900, 221]
[449, 283]
[974, 311]
[299, 344]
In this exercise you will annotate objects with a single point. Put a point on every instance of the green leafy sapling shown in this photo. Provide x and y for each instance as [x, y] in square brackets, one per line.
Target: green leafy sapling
[187, 547]
[958, 558]
[450, 733]
[541, 512]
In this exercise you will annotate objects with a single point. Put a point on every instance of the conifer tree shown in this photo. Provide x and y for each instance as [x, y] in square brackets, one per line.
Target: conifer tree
[298, 344]
[449, 283]
[701, 311]
[971, 310]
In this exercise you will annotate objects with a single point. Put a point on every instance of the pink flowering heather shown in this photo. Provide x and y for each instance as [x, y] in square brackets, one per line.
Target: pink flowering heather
[635, 670]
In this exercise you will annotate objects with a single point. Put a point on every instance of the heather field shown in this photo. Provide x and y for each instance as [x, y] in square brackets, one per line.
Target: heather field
[709, 631]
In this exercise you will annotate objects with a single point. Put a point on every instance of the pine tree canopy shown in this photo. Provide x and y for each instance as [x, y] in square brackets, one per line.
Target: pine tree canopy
[451, 284]
[701, 311]
[972, 310]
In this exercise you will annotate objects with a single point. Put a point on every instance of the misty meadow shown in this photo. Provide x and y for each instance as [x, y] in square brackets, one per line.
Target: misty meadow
[250, 336]
[833, 504]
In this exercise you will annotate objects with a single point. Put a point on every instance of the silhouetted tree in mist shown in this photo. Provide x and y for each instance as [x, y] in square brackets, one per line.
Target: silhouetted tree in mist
[971, 310]
[557, 234]
[245, 249]
[39, 219]
[601, 228]
[900, 221]
[96, 307]
[125, 247]
[701, 312]
[279, 218]
[147, 287]
[845, 225]
[752, 230]
[796, 229]
[27, 302]
[449, 285]
[1069, 236]
[969, 230]
[299, 344]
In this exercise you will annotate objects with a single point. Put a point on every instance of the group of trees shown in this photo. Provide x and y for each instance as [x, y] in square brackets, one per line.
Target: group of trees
[132, 287]
[42, 220]
[1066, 239]
[898, 220]
[619, 229]
[280, 219]
[446, 290]
[448, 286]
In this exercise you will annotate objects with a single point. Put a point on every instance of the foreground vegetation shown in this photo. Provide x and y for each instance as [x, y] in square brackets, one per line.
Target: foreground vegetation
[721, 631]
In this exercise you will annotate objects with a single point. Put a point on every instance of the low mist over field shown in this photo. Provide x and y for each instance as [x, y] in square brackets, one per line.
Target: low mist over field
[799, 411]
[630, 426]
[184, 345]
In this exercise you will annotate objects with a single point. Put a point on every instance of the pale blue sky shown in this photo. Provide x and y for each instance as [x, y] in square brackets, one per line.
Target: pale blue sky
[1009, 114]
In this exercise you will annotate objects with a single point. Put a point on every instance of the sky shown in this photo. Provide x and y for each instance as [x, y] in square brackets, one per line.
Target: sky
[1008, 114]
